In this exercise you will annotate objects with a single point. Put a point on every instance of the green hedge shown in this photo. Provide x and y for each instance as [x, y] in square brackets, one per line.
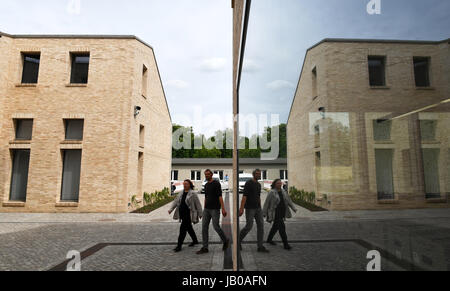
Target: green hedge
[305, 199]
[153, 201]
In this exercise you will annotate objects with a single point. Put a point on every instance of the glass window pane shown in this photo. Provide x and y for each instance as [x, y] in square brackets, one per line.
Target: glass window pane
[74, 129]
[24, 129]
[376, 71]
[19, 177]
[71, 175]
[421, 72]
[382, 130]
[428, 130]
[30, 71]
[80, 69]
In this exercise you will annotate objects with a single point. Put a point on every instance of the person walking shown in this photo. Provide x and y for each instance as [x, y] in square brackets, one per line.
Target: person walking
[251, 201]
[188, 210]
[276, 210]
[213, 204]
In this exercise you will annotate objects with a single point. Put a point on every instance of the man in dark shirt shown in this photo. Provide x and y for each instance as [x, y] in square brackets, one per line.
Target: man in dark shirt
[213, 204]
[252, 204]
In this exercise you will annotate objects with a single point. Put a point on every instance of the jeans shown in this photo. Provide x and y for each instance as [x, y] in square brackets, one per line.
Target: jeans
[213, 214]
[250, 215]
[278, 226]
[186, 227]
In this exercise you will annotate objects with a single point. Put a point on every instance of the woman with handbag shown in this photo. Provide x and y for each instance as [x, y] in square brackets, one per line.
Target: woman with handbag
[276, 210]
[188, 210]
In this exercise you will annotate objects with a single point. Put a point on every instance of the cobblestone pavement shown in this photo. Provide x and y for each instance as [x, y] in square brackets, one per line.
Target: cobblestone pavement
[408, 240]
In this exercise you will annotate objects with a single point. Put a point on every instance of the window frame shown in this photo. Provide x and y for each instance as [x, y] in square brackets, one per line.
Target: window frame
[17, 122]
[24, 55]
[383, 63]
[428, 71]
[73, 56]
[66, 125]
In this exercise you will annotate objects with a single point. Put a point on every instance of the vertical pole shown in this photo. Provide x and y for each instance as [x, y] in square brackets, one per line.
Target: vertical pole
[241, 11]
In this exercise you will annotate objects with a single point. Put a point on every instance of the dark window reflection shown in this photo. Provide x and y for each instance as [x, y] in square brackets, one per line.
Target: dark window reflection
[30, 71]
[421, 72]
[377, 71]
[80, 68]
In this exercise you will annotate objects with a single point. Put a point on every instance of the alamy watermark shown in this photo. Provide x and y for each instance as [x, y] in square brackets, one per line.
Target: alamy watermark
[250, 137]
[74, 264]
[374, 264]
[374, 7]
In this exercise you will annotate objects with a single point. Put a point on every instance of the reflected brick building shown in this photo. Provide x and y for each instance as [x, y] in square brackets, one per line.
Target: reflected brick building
[84, 123]
[369, 127]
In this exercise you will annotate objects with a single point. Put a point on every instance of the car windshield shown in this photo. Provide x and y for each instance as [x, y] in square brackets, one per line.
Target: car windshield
[245, 179]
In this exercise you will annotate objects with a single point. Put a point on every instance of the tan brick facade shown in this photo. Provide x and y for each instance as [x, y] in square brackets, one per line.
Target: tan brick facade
[111, 142]
[335, 154]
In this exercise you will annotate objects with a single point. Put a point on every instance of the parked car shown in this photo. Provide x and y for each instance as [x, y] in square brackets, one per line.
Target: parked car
[216, 177]
[244, 178]
[177, 187]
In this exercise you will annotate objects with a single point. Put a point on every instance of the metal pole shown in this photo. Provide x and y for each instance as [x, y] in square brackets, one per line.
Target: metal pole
[241, 14]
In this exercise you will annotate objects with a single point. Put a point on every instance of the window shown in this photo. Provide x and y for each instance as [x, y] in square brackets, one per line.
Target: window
[263, 174]
[196, 176]
[80, 68]
[220, 173]
[74, 129]
[382, 130]
[24, 129]
[377, 71]
[70, 189]
[140, 172]
[241, 172]
[19, 176]
[30, 70]
[428, 130]
[314, 82]
[421, 71]
[317, 136]
[431, 172]
[144, 81]
[174, 175]
[142, 136]
[385, 174]
[283, 174]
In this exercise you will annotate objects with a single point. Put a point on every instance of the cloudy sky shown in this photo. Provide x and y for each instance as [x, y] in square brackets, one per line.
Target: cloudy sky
[193, 42]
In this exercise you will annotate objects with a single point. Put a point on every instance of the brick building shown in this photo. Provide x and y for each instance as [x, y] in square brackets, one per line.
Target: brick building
[84, 123]
[369, 127]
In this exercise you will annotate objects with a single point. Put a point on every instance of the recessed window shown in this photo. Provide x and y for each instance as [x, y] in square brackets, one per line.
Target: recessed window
[421, 71]
[263, 174]
[141, 136]
[24, 129]
[377, 71]
[144, 81]
[196, 175]
[70, 187]
[80, 68]
[428, 130]
[74, 129]
[220, 173]
[174, 175]
[19, 176]
[382, 130]
[283, 174]
[30, 70]
[314, 82]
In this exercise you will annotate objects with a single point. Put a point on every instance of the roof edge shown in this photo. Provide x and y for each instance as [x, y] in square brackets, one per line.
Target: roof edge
[80, 36]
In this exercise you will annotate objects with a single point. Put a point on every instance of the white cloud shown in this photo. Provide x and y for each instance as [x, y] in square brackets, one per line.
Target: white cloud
[280, 84]
[178, 84]
[250, 66]
[213, 64]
